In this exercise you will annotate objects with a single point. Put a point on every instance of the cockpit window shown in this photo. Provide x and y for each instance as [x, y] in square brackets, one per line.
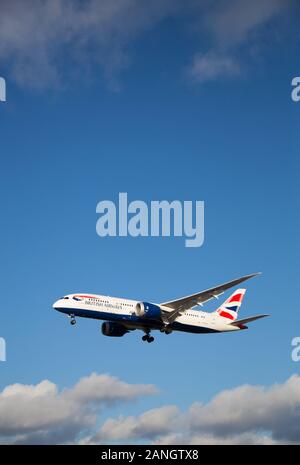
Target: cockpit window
[64, 298]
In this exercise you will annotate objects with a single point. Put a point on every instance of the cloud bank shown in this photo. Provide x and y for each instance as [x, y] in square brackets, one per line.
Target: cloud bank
[244, 415]
[42, 414]
[35, 414]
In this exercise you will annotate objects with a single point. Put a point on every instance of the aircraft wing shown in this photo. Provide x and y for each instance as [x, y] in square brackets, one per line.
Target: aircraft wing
[190, 301]
[247, 320]
[185, 303]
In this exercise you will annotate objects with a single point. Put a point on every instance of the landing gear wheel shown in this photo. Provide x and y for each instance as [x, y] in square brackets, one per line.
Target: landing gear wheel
[73, 321]
[148, 338]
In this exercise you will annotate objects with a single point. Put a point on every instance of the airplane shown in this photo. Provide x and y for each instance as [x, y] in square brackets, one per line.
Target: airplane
[123, 315]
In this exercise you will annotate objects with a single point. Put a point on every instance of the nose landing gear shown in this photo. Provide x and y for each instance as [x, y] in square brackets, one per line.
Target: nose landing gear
[72, 320]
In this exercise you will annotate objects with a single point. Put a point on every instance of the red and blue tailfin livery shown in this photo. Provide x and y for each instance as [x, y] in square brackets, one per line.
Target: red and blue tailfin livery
[229, 309]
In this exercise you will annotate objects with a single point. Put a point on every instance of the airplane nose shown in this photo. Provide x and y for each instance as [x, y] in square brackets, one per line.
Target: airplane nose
[56, 305]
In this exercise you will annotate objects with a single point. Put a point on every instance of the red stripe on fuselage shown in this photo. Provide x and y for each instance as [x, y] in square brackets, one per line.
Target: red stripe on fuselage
[85, 296]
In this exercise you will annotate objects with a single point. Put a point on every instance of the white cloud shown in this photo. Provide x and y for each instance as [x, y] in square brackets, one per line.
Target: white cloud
[41, 412]
[210, 439]
[244, 415]
[231, 23]
[235, 28]
[47, 43]
[151, 424]
[37, 36]
[211, 66]
[252, 408]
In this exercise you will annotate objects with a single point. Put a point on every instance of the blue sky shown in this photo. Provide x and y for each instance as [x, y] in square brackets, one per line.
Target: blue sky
[154, 130]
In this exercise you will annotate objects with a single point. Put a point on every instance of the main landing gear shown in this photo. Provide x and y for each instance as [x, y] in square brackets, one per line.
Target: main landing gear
[148, 338]
[72, 320]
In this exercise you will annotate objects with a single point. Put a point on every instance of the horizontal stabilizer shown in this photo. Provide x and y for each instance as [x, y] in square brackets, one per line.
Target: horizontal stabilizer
[247, 320]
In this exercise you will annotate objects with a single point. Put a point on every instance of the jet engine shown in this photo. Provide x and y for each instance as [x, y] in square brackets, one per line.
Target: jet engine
[148, 310]
[110, 328]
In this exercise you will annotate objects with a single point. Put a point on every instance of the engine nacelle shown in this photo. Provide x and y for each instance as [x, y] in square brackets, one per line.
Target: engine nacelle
[148, 310]
[112, 329]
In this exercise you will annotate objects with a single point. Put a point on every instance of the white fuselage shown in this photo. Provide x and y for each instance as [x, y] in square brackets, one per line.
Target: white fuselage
[123, 311]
